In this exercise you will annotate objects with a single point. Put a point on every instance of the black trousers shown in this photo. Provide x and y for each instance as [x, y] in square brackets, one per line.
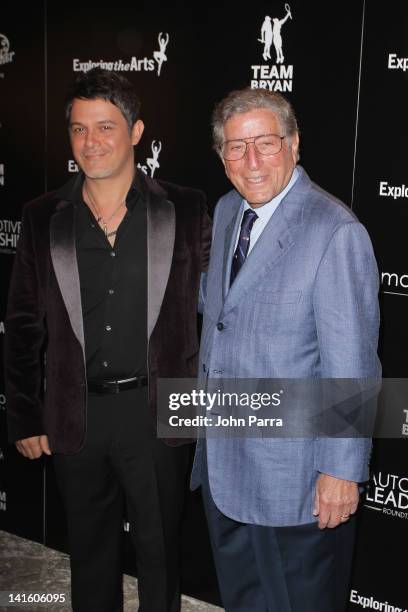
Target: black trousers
[123, 462]
[279, 569]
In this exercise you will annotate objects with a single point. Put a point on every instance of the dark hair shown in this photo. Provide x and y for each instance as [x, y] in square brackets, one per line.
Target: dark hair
[105, 85]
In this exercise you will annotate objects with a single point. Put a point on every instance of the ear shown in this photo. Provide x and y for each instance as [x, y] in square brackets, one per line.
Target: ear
[226, 168]
[137, 131]
[295, 147]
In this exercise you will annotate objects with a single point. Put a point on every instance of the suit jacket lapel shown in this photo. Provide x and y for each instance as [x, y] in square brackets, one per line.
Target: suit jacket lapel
[63, 256]
[161, 232]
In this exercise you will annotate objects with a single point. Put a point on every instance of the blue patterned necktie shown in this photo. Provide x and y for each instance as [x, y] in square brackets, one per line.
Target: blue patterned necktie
[241, 251]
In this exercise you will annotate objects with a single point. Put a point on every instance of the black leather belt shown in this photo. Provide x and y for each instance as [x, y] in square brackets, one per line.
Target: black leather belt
[116, 386]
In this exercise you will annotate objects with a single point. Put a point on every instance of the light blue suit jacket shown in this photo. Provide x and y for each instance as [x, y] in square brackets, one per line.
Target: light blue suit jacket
[304, 305]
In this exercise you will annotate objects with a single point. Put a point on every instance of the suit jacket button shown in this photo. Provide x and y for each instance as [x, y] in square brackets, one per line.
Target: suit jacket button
[220, 326]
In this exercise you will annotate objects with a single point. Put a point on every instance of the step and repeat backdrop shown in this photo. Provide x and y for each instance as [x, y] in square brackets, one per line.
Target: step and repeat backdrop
[345, 69]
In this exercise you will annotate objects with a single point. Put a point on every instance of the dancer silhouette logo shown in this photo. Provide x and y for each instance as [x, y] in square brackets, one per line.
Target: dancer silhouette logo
[152, 163]
[278, 76]
[160, 56]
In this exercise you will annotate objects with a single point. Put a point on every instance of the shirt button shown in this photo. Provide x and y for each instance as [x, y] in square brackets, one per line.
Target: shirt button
[108, 327]
[111, 291]
[220, 326]
[113, 254]
[105, 364]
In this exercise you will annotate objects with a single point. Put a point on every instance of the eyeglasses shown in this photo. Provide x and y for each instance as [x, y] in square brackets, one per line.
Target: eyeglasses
[266, 144]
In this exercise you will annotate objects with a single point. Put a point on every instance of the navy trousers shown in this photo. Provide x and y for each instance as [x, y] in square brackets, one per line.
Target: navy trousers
[279, 569]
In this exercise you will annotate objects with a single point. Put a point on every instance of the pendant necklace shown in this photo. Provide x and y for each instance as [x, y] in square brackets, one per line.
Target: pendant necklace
[103, 223]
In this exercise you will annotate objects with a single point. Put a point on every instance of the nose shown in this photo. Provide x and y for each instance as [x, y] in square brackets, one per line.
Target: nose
[91, 138]
[252, 156]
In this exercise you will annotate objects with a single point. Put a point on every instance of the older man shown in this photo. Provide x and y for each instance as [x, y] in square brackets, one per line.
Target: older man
[291, 292]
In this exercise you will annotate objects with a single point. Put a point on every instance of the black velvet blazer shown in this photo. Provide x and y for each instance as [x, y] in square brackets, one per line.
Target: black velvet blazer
[44, 341]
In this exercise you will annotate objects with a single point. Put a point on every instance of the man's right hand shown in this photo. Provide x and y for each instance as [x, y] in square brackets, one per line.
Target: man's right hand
[34, 447]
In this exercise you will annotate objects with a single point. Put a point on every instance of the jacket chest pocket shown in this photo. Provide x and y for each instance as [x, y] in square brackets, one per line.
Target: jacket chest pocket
[269, 311]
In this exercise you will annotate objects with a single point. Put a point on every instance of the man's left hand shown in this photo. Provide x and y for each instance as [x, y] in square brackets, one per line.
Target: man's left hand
[335, 501]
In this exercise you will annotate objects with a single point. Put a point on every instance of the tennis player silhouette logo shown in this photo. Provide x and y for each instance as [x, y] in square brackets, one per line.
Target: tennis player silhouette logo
[271, 33]
[160, 56]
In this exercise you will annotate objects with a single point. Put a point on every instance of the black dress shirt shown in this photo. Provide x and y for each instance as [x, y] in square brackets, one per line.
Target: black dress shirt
[114, 290]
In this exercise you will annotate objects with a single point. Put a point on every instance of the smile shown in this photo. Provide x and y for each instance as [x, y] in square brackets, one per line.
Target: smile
[256, 180]
[93, 155]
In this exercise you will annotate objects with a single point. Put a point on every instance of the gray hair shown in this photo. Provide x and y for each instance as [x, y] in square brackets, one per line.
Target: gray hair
[247, 99]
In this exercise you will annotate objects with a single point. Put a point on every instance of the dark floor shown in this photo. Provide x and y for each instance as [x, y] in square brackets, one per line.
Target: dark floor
[30, 568]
